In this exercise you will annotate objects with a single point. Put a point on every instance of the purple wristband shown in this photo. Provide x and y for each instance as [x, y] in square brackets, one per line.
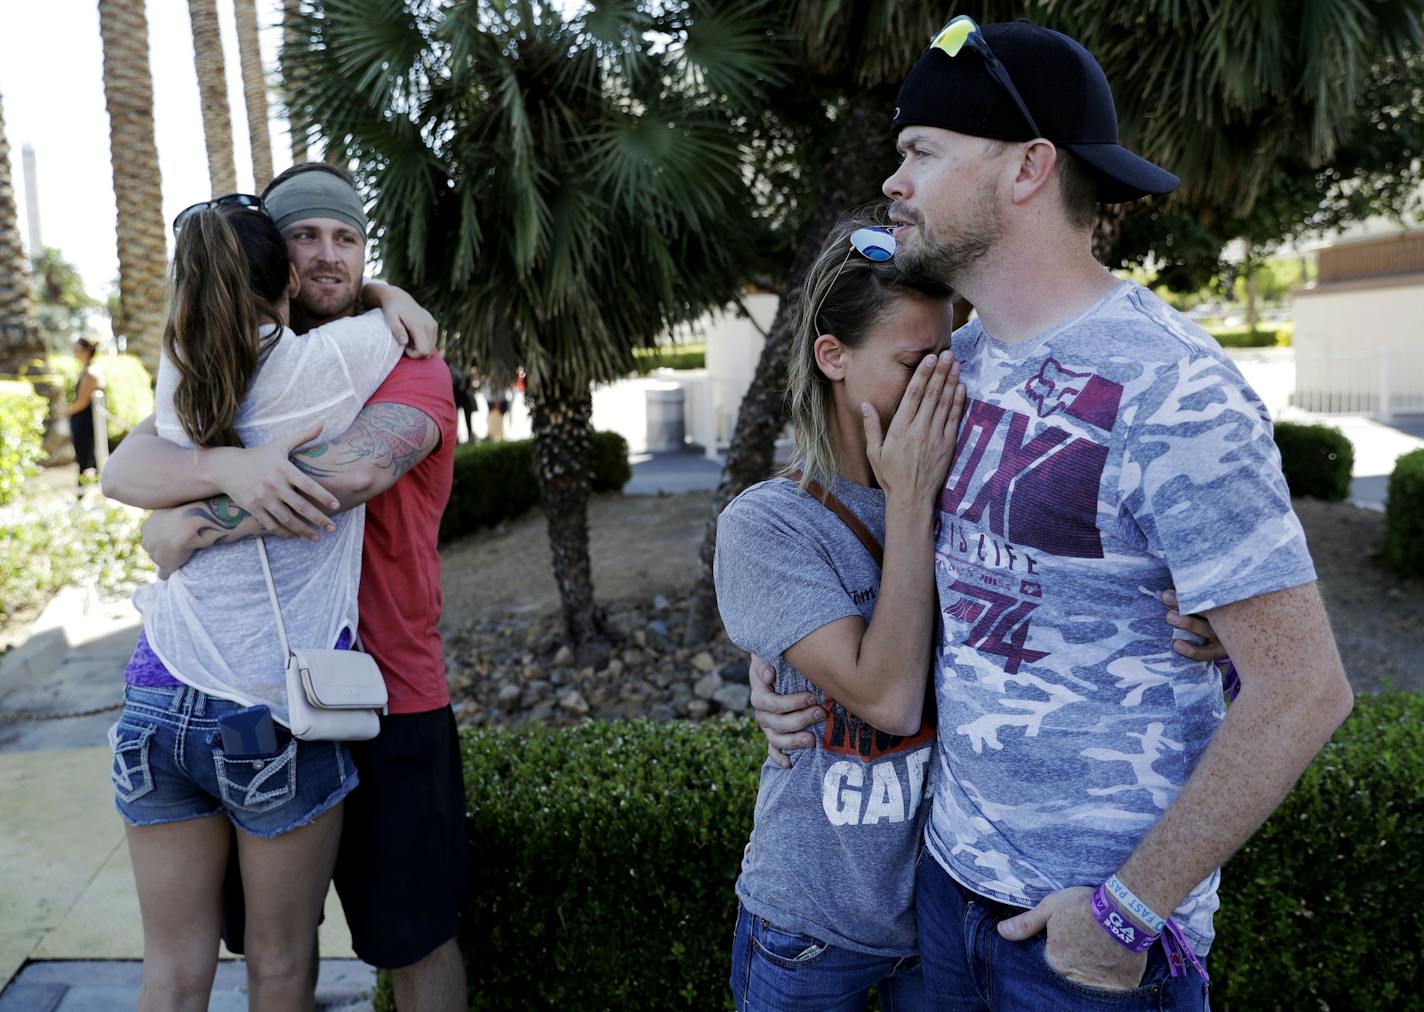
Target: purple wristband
[1230, 680]
[1120, 927]
[1133, 937]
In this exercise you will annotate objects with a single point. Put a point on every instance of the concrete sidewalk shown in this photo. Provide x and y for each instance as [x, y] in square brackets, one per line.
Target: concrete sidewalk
[67, 894]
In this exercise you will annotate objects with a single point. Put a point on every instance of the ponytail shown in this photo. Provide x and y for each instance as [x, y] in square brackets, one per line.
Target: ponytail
[229, 273]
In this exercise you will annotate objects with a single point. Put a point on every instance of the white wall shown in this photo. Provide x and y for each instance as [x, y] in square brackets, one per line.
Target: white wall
[1360, 350]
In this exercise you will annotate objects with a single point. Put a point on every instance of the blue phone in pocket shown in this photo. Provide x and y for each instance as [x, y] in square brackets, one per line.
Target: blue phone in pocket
[248, 733]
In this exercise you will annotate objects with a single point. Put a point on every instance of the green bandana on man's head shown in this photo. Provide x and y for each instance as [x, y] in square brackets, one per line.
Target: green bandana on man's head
[315, 194]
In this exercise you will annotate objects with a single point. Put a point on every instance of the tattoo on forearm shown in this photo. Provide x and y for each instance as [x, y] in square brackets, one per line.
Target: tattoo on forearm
[390, 436]
[218, 515]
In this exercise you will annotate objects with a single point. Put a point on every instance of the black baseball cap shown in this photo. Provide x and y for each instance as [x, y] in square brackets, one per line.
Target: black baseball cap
[1062, 86]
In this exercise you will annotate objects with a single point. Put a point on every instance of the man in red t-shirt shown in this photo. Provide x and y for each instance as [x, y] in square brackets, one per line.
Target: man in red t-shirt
[401, 868]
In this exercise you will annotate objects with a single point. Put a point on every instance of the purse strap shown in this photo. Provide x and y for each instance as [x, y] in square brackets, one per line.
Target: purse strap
[272, 594]
[840, 509]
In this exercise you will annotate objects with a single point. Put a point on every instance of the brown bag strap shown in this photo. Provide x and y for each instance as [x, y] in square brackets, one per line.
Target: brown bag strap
[848, 518]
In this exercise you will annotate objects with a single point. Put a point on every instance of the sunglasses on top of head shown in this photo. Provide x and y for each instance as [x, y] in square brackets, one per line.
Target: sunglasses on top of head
[874, 242]
[246, 200]
[962, 31]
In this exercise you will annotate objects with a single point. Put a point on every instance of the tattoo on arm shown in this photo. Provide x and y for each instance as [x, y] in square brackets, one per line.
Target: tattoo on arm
[218, 515]
[392, 437]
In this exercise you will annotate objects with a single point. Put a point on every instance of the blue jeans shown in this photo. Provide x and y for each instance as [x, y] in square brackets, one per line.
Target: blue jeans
[169, 766]
[968, 966]
[777, 971]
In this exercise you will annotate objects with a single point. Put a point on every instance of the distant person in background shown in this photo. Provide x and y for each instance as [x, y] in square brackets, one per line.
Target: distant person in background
[465, 384]
[498, 397]
[81, 412]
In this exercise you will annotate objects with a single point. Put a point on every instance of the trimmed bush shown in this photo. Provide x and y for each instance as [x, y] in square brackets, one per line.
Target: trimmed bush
[1404, 515]
[1324, 907]
[128, 389]
[603, 857]
[495, 481]
[1262, 337]
[602, 863]
[1317, 460]
[675, 356]
[46, 547]
[22, 417]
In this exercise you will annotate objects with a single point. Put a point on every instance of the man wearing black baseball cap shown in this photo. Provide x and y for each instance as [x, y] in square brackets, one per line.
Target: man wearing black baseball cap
[1088, 768]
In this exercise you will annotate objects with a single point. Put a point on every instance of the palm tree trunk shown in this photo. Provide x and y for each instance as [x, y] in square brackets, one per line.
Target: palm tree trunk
[22, 348]
[560, 414]
[212, 94]
[861, 160]
[143, 252]
[254, 92]
[292, 38]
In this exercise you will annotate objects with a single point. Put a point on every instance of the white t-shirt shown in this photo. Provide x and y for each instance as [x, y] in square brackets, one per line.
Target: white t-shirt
[211, 622]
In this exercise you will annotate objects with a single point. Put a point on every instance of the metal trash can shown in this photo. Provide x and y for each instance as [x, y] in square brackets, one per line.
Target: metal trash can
[665, 429]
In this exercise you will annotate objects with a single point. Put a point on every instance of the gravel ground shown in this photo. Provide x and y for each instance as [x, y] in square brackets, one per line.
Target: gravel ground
[1377, 616]
[507, 665]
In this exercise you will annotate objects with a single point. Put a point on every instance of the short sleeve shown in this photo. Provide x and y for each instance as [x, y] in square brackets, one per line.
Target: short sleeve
[365, 347]
[1201, 479]
[165, 415]
[775, 585]
[423, 384]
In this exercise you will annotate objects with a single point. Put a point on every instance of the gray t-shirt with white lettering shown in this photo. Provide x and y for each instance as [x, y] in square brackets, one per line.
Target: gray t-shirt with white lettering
[837, 835]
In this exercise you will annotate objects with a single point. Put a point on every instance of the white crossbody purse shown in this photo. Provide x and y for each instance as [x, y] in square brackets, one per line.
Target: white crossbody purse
[332, 695]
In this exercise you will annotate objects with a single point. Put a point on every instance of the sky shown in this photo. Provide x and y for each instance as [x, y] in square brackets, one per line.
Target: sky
[51, 80]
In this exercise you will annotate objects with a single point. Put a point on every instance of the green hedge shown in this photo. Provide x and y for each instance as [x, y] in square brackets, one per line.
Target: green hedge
[1404, 515]
[603, 857]
[22, 417]
[1262, 337]
[495, 481]
[58, 543]
[602, 863]
[1317, 460]
[1324, 907]
[128, 388]
[674, 356]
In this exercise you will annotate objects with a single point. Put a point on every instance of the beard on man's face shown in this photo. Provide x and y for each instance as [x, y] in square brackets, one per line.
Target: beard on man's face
[327, 293]
[947, 256]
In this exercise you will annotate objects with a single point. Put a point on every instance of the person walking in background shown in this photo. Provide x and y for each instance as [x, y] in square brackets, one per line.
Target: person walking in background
[499, 398]
[80, 411]
[464, 384]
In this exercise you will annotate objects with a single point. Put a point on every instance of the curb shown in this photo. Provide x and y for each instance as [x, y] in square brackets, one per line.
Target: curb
[50, 636]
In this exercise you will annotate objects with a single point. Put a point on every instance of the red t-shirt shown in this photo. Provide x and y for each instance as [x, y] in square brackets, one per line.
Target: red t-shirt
[400, 597]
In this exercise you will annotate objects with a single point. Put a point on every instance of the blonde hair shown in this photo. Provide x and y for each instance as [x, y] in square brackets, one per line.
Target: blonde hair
[845, 293]
[228, 278]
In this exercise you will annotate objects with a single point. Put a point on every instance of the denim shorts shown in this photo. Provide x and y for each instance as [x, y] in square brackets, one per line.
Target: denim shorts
[169, 766]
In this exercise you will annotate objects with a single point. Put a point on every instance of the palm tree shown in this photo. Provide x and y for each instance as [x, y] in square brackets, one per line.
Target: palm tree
[254, 92]
[293, 41]
[22, 347]
[143, 252]
[1226, 94]
[558, 192]
[212, 94]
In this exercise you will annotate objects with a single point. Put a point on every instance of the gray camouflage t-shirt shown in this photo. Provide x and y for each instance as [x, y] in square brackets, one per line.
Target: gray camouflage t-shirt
[836, 836]
[1109, 458]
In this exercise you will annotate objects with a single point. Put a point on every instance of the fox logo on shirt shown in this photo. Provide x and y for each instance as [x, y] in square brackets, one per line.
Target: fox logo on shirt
[1083, 395]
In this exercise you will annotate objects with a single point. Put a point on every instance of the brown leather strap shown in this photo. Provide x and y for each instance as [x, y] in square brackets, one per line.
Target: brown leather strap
[848, 518]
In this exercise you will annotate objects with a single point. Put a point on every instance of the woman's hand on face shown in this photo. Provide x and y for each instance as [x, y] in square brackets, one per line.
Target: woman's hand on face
[264, 481]
[912, 457]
